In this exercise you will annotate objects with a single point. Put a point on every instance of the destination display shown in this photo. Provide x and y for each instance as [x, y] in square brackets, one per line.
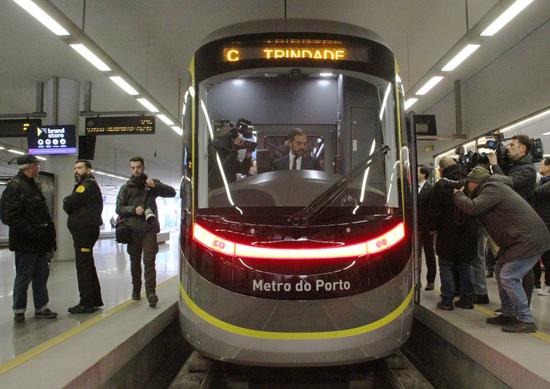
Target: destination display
[52, 140]
[120, 125]
[17, 128]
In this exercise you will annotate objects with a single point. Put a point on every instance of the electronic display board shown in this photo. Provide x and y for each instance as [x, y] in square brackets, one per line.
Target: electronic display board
[17, 128]
[53, 140]
[120, 125]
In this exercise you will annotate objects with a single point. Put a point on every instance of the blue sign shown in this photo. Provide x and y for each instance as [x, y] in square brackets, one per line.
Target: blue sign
[52, 140]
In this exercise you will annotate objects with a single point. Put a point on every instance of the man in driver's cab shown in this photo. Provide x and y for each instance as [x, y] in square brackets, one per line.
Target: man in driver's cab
[297, 158]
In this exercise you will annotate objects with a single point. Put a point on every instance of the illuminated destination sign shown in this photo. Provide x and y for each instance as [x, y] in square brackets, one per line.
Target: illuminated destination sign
[280, 52]
[17, 127]
[120, 125]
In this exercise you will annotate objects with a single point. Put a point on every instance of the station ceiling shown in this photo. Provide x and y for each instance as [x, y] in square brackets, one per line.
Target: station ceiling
[153, 40]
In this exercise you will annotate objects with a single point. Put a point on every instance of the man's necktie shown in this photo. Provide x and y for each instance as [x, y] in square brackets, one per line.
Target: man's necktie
[294, 163]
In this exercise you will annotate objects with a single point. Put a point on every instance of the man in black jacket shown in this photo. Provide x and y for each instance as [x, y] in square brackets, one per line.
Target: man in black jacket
[541, 204]
[456, 242]
[136, 203]
[426, 239]
[31, 236]
[84, 206]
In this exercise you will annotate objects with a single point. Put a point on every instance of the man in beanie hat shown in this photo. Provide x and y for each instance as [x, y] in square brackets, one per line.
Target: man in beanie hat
[31, 236]
[521, 241]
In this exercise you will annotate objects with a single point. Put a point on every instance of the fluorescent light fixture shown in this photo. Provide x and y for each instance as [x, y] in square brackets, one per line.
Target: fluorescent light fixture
[165, 119]
[546, 133]
[121, 82]
[178, 130]
[90, 57]
[41, 158]
[505, 17]
[16, 152]
[147, 104]
[460, 57]
[525, 121]
[2, 148]
[410, 102]
[384, 102]
[429, 85]
[326, 74]
[40, 15]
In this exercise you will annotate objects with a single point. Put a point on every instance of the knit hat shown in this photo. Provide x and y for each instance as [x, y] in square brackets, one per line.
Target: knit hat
[478, 174]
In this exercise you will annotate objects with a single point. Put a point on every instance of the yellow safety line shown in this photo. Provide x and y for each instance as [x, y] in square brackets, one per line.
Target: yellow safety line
[540, 335]
[22, 358]
[295, 335]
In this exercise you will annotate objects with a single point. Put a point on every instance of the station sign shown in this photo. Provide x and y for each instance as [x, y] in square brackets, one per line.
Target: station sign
[52, 140]
[120, 125]
[17, 128]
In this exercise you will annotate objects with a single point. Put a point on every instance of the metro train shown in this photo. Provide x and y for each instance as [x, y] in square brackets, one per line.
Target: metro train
[296, 267]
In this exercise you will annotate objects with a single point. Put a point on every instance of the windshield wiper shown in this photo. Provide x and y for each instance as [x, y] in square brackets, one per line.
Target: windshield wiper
[319, 203]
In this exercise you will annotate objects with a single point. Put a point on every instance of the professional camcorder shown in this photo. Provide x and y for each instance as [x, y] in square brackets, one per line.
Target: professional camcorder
[227, 132]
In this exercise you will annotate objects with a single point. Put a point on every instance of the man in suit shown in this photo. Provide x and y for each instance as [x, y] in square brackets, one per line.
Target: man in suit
[297, 158]
[425, 190]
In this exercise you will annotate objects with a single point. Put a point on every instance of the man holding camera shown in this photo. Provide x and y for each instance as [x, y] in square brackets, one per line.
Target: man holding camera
[136, 203]
[520, 243]
[84, 206]
[297, 158]
[524, 176]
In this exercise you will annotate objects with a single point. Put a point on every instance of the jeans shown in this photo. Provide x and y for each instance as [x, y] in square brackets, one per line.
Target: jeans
[446, 267]
[510, 289]
[29, 267]
[479, 279]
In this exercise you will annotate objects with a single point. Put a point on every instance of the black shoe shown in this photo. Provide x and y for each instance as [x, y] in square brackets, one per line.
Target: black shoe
[77, 309]
[464, 304]
[45, 314]
[136, 296]
[521, 327]
[481, 299]
[502, 320]
[498, 311]
[445, 306]
[153, 300]
[430, 286]
[19, 317]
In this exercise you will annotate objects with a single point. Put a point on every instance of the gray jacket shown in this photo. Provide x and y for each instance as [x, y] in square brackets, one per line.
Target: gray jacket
[508, 219]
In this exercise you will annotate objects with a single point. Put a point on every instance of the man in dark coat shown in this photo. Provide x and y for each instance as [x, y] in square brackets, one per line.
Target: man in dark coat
[520, 234]
[31, 236]
[84, 206]
[136, 202]
[426, 239]
[541, 203]
[297, 158]
[456, 241]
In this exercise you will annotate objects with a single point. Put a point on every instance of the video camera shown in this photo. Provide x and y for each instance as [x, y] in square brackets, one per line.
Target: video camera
[226, 132]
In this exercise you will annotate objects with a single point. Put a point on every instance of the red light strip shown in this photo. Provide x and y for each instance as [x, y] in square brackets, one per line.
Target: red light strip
[227, 247]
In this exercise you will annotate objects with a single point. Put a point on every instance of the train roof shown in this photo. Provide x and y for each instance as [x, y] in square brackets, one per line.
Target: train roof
[293, 25]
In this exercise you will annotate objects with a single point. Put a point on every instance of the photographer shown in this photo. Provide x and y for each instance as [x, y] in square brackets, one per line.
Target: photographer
[456, 242]
[524, 176]
[226, 144]
[136, 203]
[521, 241]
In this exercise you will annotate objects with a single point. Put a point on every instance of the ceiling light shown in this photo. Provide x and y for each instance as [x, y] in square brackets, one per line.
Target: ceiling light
[39, 14]
[326, 74]
[410, 102]
[147, 104]
[546, 133]
[121, 82]
[90, 57]
[525, 121]
[16, 152]
[429, 85]
[238, 82]
[177, 129]
[505, 17]
[165, 119]
[460, 57]
[2, 148]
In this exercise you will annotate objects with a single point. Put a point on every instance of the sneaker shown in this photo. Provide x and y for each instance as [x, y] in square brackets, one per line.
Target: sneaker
[445, 306]
[45, 314]
[520, 327]
[77, 309]
[481, 299]
[498, 311]
[464, 304]
[19, 317]
[544, 291]
[430, 286]
[502, 320]
[153, 300]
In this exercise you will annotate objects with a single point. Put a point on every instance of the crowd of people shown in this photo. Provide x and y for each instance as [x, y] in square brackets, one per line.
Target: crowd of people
[490, 216]
[32, 233]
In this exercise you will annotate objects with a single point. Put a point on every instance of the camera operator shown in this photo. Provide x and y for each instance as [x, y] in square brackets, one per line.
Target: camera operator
[521, 241]
[456, 241]
[226, 144]
[524, 176]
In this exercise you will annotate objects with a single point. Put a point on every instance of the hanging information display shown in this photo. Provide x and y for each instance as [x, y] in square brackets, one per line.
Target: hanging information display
[120, 125]
[52, 140]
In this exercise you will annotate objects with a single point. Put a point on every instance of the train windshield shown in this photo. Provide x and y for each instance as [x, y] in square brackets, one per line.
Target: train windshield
[273, 141]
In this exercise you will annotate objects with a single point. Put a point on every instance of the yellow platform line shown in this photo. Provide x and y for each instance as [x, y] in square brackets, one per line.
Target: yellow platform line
[540, 335]
[26, 356]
